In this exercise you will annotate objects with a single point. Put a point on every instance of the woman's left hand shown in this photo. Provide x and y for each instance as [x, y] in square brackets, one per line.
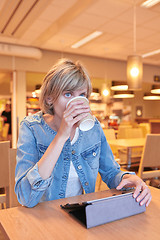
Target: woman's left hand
[142, 193]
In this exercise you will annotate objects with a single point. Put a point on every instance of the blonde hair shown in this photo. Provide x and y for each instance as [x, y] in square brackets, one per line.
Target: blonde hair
[65, 75]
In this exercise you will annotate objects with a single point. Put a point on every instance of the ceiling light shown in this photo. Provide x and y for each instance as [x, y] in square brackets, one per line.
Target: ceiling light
[34, 95]
[149, 3]
[150, 96]
[134, 72]
[86, 39]
[119, 86]
[95, 95]
[105, 92]
[123, 94]
[151, 53]
[134, 63]
[155, 89]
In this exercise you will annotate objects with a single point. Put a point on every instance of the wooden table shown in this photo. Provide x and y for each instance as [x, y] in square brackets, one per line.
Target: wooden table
[128, 144]
[47, 221]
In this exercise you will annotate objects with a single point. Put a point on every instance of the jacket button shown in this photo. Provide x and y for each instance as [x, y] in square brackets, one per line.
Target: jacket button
[73, 152]
[38, 183]
[94, 154]
[86, 183]
[80, 167]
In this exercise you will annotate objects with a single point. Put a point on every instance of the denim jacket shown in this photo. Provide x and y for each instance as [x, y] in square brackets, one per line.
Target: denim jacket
[90, 153]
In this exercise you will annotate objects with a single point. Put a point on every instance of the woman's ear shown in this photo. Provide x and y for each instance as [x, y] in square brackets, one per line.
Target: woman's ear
[49, 100]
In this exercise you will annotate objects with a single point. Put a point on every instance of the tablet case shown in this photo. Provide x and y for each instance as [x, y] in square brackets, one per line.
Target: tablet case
[101, 211]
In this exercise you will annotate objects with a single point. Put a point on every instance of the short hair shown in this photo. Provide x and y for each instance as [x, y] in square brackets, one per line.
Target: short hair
[65, 75]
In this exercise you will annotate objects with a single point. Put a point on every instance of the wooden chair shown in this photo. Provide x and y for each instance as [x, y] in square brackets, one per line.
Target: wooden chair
[129, 133]
[150, 162]
[7, 175]
[109, 134]
[125, 123]
[146, 128]
[5, 130]
[136, 153]
[100, 185]
[4, 173]
[13, 202]
[1, 123]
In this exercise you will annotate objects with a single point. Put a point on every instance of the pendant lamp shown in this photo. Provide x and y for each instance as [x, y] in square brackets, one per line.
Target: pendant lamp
[123, 94]
[155, 89]
[95, 95]
[119, 86]
[134, 63]
[150, 96]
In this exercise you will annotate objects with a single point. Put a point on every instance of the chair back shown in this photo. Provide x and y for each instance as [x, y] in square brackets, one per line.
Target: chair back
[129, 133]
[4, 164]
[146, 128]
[1, 123]
[134, 133]
[13, 202]
[109, 133]
[122, 132]
[5, 131]
[150, 157]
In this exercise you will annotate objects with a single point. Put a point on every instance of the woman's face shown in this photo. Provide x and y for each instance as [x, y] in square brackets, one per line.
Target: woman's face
[61, 102]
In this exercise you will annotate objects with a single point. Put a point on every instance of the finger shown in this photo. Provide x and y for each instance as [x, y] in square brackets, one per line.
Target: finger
[142, 195]
[146, 199]
[122, 184]
[75, 114]
[70, 120]
[76, 110]
[79, 117]
[148, 202]
[137, 190]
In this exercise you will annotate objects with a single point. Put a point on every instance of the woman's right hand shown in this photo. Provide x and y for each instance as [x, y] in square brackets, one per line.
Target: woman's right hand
[74, 112]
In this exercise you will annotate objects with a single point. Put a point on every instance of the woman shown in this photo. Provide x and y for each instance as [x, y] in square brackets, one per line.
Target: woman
[54, 158]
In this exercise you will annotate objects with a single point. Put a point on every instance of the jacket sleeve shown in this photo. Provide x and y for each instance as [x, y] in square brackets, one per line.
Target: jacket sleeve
[29, 186]
[109, 169]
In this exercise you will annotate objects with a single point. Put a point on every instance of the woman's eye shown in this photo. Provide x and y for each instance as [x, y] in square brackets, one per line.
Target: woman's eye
[83, 94]
[67, 94]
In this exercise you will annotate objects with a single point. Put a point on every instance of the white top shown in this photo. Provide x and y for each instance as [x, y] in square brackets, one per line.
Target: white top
[74, 186]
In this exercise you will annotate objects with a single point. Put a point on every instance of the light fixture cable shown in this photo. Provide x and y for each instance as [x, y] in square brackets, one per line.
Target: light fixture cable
[105, 88]
[134, 62]
[134, 27]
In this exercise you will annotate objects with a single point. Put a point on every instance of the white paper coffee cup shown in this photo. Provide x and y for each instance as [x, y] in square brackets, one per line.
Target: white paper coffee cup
[87, 122]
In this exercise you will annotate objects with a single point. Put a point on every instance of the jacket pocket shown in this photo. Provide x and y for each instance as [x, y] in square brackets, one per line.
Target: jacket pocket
[91, 156]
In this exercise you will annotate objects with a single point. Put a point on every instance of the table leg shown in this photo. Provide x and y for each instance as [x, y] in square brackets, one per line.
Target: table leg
[129, 153]
[7, 196]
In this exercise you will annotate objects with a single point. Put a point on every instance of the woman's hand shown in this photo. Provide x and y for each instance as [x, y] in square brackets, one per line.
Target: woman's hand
[130, 180]
[74, 112]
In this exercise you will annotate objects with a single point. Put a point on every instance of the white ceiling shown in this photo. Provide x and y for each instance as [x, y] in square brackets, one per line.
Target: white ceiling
[57, 24]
